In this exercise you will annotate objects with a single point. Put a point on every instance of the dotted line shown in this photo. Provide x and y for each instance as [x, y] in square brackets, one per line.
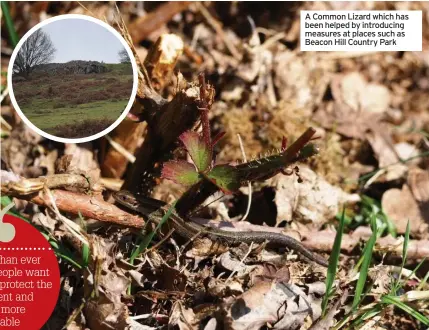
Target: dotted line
[24, 249]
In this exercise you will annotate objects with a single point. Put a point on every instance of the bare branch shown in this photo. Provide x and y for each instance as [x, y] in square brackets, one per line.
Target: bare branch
[37, 49]
[123, 56]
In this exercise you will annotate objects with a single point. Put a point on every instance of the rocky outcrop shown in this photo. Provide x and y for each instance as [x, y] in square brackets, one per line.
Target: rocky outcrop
[95, 68]
[72, 67]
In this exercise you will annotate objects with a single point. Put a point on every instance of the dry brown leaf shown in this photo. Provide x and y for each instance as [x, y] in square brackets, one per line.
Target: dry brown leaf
[314, 200]
[283, 306]
[220, 288]
[138, 277]
[269, 272]
[106, 311]
[184, 318]
[353, 124]
[382, 278]
[328, 321]
[353, 90]
[82, 161]
[115, 285]
[211, 325]
[348, 89]
[45, 221]
[102, 314]
[231, 263]
[401, 207]
[170, 279]
[418, 180]
[389, 155]
[302, 78]
[375, 98]
[134, 325]
[357, 106]
[205, 247]
[46, 160]
[75, 326]
[102, 249]
[16, 151]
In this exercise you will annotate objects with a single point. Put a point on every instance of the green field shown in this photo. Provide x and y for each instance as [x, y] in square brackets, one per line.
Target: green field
[89, 111]
[75, 105]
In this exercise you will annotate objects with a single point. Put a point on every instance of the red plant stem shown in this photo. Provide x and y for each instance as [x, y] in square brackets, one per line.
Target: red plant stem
[205, 114]
[217, 138]
[301, 142]
[284, 143]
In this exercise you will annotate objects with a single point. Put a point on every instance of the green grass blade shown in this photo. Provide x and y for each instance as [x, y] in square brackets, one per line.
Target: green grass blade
[333, 261]
[85, 255]
[405, 246]
[391, 228]
[416, 269]
[367, 257]
[86, 251]
[58, 253]
[391, 300]
[369, 175]
[366, 316]
[423, 282]
[9, 24]
[148, 238]
[397, 283]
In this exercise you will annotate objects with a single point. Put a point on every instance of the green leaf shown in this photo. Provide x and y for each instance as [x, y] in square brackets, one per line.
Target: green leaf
[397, 283]
[367, 257]
[180, 172]
[423, 281]
[9, 24]
[405, 246]
[395, 301]
[149, 237]
[225, 177]
[85, 254]
[333, 261]
[197, 149]
[264, 168]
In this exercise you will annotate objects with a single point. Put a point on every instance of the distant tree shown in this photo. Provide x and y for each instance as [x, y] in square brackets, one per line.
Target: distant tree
[123, 56]
[37, 49]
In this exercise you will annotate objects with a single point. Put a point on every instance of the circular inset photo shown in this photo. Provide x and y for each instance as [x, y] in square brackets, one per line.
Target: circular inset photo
[72, 78]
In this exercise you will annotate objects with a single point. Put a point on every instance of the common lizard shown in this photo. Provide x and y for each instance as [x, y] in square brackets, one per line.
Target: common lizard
[155, 210]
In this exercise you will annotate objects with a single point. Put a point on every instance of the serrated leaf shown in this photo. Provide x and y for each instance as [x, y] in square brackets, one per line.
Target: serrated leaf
[197, 149]
[180, 172]
[264, 168]
[225, 177]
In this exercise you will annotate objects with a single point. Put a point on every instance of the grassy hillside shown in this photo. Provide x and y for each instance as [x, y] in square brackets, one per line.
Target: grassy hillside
[62, 104]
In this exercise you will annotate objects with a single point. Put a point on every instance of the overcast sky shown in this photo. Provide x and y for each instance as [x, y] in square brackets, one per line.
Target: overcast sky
[79, 39]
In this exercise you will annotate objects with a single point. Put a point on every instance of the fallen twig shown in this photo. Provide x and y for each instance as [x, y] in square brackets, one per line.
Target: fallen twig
[93, 207]
[218, 28]
[25, 186]
[143, 26]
